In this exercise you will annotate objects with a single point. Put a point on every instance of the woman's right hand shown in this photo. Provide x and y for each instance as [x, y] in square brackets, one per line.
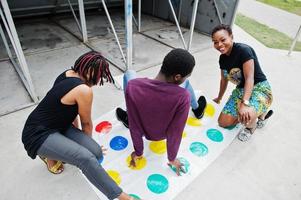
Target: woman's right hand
[217, 100]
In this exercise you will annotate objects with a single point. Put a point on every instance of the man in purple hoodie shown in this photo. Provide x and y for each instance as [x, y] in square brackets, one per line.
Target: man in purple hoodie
[158, 108]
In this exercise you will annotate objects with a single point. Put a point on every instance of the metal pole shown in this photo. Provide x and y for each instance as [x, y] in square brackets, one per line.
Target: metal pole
[234, 13]
[180, 11]
[139, 15]
[74, 15]
[20, 73]
[295, 41]
[194, 12]
[129, 33]
[177, 23]
[18, 50]
[154, 5]
[218, 13]
[83, 20]
[113, 29]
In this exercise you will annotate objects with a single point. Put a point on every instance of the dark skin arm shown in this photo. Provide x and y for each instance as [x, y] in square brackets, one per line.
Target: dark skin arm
[244, 112]
[222, 88]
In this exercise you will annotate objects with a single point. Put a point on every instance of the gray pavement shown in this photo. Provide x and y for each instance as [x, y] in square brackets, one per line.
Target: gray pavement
[278, 19]
[265, 168]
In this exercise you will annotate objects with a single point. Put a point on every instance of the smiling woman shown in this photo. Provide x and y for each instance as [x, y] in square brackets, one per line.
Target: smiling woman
[252, 97]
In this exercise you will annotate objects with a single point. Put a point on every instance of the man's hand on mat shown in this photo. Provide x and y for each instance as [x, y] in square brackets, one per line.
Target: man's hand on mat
[134, 158]
[177, 165]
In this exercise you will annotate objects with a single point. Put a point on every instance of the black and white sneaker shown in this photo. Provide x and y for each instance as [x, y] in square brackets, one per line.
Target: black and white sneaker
[262, 122]
[122, 116]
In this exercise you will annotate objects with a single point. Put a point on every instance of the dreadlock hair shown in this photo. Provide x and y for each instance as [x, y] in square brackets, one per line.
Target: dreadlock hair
[221, 27]
[177, 61]
[93, 67]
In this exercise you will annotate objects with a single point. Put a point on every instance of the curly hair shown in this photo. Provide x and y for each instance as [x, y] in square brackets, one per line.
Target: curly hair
[221, 27]
[177, 61]
[93, 67]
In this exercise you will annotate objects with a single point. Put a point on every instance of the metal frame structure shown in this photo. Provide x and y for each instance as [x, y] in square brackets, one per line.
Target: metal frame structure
[21, 65]
[128, 6]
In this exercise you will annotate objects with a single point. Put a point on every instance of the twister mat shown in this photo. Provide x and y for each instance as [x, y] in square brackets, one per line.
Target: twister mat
[152, 179]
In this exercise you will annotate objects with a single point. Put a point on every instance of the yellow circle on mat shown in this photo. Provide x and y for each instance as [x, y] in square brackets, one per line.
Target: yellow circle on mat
[158, 147]
[193, 121]
[115, 176]
[184, 134]
[140, 163]
[210, 110]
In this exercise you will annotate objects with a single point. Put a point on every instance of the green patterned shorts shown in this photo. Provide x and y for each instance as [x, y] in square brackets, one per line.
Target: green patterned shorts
[261, 99]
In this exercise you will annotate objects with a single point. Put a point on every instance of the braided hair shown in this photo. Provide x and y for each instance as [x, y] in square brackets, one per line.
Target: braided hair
[94, 68]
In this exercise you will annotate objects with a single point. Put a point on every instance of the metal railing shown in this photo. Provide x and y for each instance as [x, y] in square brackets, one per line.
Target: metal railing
[294, 41]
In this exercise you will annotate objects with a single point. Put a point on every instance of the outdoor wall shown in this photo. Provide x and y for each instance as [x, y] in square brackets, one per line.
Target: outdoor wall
[210, 12]
[20, 8]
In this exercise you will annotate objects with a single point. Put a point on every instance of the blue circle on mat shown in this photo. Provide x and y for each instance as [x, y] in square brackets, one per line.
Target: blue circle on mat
[101, 159]
[118, 143]
[198, 149]
[157, 183]
[215, 135]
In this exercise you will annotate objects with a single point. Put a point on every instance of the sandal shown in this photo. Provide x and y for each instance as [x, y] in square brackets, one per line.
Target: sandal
[262, 122]
[55, 169]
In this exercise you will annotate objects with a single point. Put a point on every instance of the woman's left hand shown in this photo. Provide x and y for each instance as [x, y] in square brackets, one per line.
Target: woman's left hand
[244, 114]
[104, 150]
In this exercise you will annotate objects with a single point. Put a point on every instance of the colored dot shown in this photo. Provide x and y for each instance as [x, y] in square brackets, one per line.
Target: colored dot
[157, 183]
[198, 149]
[101, 160]
[215, 135]
[209, 110]
[230, 127]
[186, 165]
[140, 163]
[118, 143]
[158, 147]
[135, 196]
[115, 176]
[103, 127]
[193, 121]
[184, 134]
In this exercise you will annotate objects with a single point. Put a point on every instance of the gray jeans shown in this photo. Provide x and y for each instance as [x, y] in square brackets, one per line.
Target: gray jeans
[76, 148]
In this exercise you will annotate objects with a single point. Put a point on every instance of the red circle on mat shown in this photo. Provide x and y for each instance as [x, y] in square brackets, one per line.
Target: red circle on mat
[103, 127]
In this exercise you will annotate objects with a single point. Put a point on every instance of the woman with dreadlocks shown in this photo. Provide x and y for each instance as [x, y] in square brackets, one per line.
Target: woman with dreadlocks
[51, 131]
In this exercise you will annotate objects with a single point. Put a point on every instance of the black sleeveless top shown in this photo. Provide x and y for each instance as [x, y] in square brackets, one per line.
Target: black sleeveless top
[50, 115]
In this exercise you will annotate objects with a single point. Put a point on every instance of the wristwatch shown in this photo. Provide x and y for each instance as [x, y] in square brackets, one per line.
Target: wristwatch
[246, 102]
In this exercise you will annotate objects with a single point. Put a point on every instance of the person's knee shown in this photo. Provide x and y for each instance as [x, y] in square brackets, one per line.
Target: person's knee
[84, 158]
[224, 121]
[98, 153]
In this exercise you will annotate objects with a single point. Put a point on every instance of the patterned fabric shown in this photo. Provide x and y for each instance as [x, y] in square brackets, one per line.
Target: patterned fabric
[261, 99]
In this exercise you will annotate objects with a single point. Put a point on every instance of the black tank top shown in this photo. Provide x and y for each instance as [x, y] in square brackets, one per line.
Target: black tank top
[50, 115]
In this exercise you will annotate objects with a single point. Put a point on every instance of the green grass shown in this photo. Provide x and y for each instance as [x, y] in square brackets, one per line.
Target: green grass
[293, 6]
[266, 35]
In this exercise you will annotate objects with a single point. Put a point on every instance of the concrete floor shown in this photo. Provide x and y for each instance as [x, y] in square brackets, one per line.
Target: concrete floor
[267, 167]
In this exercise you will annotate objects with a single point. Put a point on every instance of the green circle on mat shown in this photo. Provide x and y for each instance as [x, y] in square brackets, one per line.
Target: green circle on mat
[198, 149]
[157, 183]
[135, 196]
[215, 135]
